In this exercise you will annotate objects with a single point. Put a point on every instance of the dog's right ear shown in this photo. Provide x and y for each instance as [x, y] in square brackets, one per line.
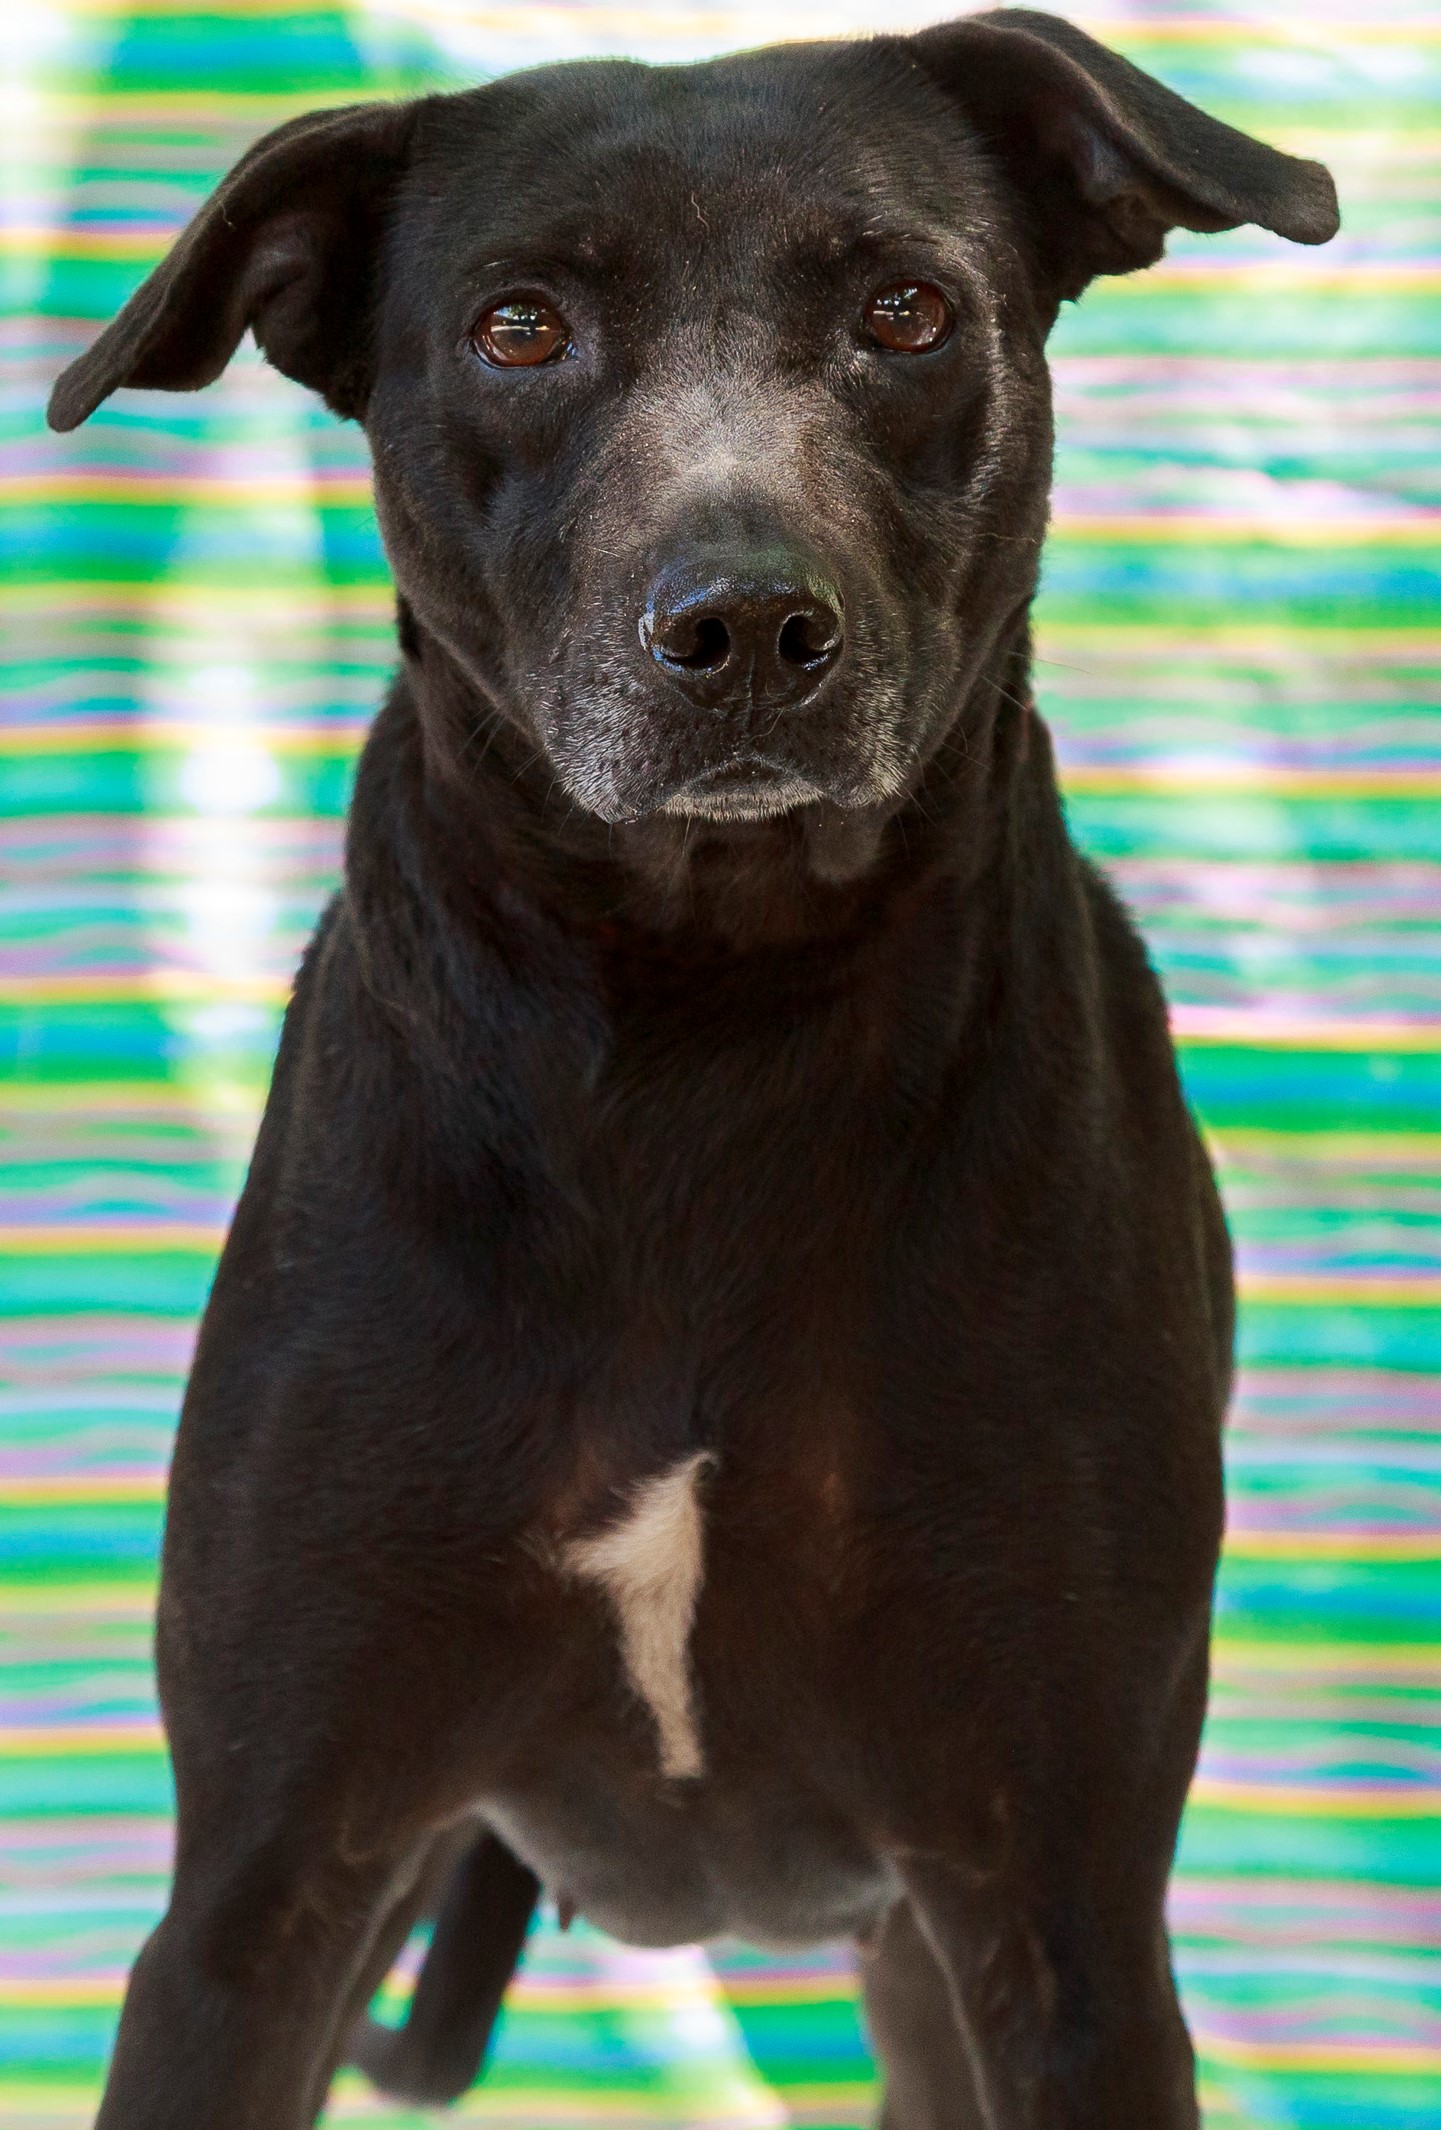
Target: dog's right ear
[286, 245]
[1108, 159]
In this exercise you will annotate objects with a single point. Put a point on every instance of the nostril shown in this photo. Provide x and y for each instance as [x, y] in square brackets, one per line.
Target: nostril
[701, 644]
[806, 639]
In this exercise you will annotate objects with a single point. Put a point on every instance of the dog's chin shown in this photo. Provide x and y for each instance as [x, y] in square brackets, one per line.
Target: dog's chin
[841, 833]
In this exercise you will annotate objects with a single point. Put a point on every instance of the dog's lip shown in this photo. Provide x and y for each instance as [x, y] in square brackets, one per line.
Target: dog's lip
[725, 787]
[747, 768]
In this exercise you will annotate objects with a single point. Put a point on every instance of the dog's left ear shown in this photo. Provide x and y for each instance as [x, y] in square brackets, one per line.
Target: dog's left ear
[286, 245]
[1108, 159]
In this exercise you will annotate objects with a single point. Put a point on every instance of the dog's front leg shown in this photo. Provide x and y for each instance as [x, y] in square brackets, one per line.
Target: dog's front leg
[924, 2052]
[1066, 2005]
[233, 2014]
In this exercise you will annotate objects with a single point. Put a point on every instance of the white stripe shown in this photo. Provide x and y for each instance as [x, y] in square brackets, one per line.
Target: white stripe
[650, 1565]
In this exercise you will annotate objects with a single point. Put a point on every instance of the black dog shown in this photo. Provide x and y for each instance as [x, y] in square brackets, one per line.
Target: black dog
[711, 1402]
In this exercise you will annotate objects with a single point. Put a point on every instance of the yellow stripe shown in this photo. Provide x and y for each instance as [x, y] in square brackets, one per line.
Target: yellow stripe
[1321, 2058]
[155, 602]
[116, 1098]
[1244, 31]
[61, 1742]
[170, 1101]
[1361, 1660]
[1340, 1290]
[144, 735]
[27, 1992]
[1332, 1546]
[176, 987]
[1285, 278]
[82, 1240]
[1242, 1031]
[113, 110]
[1293, 1801]
[347, 490]
[1232, 779]
[1163, 528]
[537, 1995]
[1403, 1151]
[134, 1602]
[83, 245]
[1233, 642]
[75, 1493]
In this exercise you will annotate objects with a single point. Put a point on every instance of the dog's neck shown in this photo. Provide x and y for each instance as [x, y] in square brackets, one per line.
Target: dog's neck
[495, 814]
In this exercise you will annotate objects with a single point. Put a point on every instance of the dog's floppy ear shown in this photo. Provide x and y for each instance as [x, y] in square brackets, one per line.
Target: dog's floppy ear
[1108, 158]
[284, 244]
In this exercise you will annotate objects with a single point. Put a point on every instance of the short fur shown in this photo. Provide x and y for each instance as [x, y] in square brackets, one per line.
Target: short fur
[650, 1564]
[720, 1067]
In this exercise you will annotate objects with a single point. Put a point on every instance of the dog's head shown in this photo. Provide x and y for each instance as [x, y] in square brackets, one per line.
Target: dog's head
[708, 404]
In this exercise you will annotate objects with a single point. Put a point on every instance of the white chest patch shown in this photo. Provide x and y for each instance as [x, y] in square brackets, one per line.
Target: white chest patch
[650, 1566]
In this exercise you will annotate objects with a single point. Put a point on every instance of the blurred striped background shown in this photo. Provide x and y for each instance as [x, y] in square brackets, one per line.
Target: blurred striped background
[1240, 643]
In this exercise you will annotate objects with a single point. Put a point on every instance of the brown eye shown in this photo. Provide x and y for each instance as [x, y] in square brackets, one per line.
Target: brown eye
[521, 332]
[909, 318]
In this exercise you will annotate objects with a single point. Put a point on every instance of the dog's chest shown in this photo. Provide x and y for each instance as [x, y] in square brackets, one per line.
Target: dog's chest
[709, 1578]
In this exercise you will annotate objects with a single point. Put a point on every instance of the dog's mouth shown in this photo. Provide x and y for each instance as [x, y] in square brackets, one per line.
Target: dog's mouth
[745, 787]
[632, 759]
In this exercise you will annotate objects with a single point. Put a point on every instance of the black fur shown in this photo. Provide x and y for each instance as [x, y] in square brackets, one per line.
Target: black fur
[697, 1060]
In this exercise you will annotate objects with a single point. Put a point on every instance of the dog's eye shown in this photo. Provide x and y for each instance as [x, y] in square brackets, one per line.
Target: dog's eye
[909, 318]
[520, 332]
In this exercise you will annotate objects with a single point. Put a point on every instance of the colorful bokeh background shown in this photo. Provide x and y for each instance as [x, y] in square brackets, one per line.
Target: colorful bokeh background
[1240, 644]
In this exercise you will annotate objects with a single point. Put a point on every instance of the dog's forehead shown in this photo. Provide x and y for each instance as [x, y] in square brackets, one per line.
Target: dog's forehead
[808, 149]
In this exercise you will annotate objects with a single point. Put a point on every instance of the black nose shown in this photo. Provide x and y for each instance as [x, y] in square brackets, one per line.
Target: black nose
[763, 635]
